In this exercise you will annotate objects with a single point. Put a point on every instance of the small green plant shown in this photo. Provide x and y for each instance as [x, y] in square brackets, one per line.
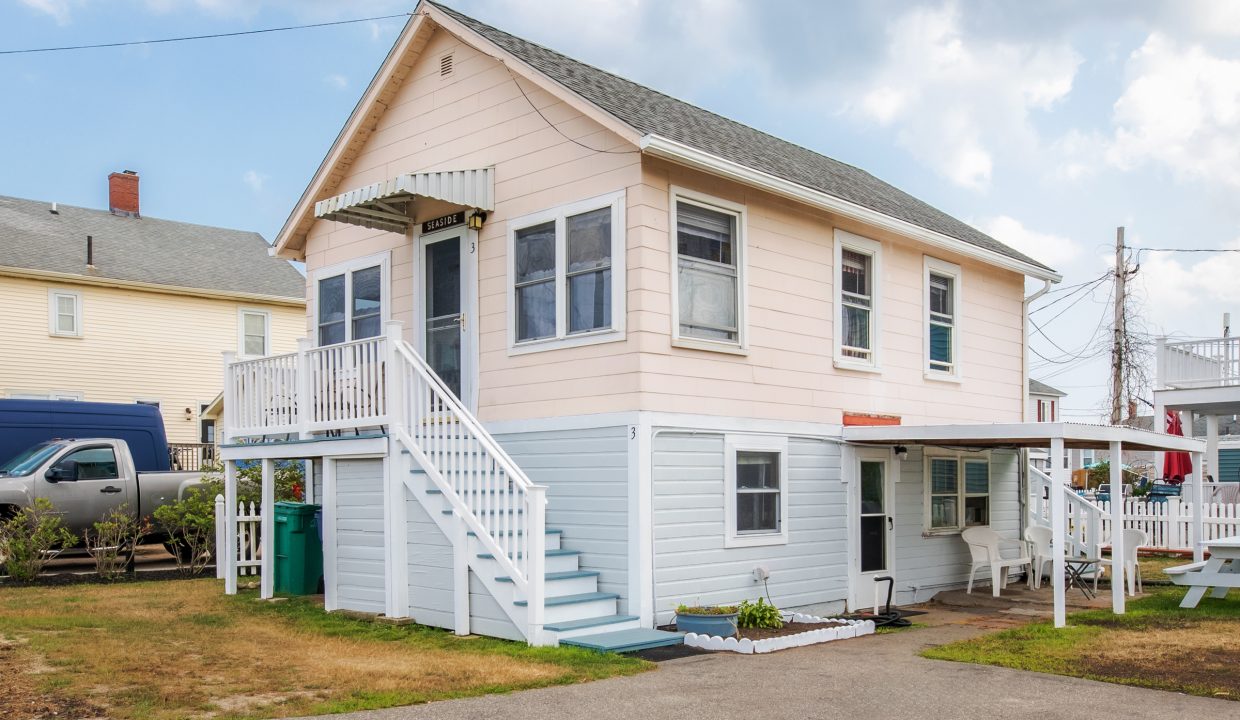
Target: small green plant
[31, 538]
[705, 610]
[759, 614]
[190, 526]
[113, 541]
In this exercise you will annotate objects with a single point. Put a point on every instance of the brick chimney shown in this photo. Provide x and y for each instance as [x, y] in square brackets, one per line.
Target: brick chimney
[123, 194]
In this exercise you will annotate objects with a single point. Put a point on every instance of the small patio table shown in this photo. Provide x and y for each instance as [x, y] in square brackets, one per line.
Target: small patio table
[1221, 572]
[1075, 568]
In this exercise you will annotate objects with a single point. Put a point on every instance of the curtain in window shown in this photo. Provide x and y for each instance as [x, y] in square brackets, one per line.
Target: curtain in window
[367, 302]
[589, 270]
[707, 286]
[535, 281]
[331, 310]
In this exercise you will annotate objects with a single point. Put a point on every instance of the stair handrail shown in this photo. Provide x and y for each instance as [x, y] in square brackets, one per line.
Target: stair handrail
[519, 550]
[1087, 537]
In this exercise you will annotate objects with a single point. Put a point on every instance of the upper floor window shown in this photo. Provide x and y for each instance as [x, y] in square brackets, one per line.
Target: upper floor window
[255, 333]
[858, 267]
[942, 303]
[709, 287]
[351, 300]
[64, 313]
[567, 275]
[1046, 410]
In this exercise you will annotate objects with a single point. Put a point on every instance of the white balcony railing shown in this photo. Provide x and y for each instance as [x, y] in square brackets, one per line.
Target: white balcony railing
[1213, 362]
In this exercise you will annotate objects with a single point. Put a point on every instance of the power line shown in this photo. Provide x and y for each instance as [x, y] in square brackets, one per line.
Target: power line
[184, 38]
[1085, 286]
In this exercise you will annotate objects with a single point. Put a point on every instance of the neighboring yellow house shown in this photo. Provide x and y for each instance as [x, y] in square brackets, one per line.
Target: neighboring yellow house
[110, 306]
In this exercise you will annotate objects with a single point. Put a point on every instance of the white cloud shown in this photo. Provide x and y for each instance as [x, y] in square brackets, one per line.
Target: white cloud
[1182, 291]
[1056, 251]
[336, 80]
[954, 101]
[1180, 108]
[58, 9]
[255, 180]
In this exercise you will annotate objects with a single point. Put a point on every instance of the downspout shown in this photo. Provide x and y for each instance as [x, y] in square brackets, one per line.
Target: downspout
[1023, 484]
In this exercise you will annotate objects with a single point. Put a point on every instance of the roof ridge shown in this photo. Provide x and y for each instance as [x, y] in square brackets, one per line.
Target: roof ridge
[101, 211]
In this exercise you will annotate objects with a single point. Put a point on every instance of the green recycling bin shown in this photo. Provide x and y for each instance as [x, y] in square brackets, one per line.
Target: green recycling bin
[299, 552]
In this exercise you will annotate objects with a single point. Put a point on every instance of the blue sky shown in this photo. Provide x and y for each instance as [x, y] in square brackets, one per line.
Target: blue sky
[1045, 124]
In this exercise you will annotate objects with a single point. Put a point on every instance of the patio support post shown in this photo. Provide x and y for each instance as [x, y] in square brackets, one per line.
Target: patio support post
[1212, 446]
[1059, 529]
[1199, 506]
[268, 532]
[229, 551]
[1118, 550]
[1160, 426]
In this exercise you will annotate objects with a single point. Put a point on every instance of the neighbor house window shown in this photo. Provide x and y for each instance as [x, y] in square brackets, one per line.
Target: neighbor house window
[756, 477]
[350, 300]
[957, 493]
[255, 330]
[567, 275]
[1046, 411]
[709, 286]
[942, 302]
[858, 268]
[64, 313]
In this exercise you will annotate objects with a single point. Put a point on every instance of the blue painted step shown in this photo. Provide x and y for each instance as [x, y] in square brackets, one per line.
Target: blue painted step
[549, 553]
[622, 641]
[572, 599]
[566, 575]
[588, 622]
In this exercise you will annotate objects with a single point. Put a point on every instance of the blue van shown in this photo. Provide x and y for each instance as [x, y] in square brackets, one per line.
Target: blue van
[25, 423]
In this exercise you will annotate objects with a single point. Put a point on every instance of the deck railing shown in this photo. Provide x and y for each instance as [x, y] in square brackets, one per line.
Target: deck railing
[1213, 362]
[190, 456]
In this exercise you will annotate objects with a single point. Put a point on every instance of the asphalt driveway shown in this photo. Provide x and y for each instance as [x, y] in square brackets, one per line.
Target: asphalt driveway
[878, 676]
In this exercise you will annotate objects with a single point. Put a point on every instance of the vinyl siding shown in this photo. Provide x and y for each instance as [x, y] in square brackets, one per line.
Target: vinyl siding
[586, 474]
[134, 344]
[359, 535]
[926, 564]
[692, 565]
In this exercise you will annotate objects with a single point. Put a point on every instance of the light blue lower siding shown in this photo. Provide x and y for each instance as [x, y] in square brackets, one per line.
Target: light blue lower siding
[692, 565]
[926, 564]
[359, 535]
[586, 474]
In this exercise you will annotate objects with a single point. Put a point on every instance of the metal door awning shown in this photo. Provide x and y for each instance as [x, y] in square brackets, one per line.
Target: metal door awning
[387, 205]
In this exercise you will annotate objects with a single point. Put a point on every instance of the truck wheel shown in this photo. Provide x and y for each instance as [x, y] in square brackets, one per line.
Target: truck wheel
[179, 550]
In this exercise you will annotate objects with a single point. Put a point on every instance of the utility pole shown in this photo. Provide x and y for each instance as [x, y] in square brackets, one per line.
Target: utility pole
[1117, 351]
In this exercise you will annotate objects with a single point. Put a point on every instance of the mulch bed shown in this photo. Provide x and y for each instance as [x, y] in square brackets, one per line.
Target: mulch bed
[21, 699]
[790, 628]
[90, 578]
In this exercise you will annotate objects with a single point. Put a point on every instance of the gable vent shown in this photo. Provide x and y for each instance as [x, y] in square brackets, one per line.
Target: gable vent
[445, 65]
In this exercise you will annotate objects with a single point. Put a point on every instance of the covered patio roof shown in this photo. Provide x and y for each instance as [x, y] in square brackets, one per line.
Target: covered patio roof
[389, 204]
[1021, 435]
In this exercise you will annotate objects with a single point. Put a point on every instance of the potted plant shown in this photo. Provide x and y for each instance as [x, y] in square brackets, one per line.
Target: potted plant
[720, 620]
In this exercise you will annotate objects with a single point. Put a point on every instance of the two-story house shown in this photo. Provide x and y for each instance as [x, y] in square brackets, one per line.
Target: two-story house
[579, 352]
[114, 306]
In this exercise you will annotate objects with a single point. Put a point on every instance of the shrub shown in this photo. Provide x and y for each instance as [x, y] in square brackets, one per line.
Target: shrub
[759, 614]
[113, 541]
[31, 538]
[190, 526]
[705, 610]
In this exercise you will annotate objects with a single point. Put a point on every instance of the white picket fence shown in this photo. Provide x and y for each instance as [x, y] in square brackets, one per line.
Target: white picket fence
[249, 520]
[1169, 524]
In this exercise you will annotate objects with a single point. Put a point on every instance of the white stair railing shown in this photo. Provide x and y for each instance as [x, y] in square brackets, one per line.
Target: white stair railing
[496, 500]
[1085, 526]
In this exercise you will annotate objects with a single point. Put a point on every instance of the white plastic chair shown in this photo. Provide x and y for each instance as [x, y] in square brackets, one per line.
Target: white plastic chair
[1039, 538]
[1133, 539]
[984, 546]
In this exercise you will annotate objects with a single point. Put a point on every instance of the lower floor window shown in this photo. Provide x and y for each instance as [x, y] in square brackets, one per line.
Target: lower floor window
[756, 487]
[957, 493]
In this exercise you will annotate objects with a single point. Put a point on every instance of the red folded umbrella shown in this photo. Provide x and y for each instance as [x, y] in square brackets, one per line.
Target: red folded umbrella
[1176, 465]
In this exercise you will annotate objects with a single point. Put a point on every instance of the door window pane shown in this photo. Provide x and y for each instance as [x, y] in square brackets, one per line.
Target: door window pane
[443, 311]
[872, 500]
[873, 543]
[331, 310]
[535, 281]
[589, 270]
[367, 302]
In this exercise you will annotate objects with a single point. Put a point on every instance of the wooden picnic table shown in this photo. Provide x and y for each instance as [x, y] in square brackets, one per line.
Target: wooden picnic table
[1221, 572]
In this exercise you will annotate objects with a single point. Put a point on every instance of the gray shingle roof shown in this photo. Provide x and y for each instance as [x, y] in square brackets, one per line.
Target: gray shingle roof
[143, 249]
[653, 113]
[1037, 387]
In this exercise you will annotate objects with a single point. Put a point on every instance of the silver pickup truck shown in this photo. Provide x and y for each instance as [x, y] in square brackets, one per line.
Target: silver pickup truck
[84, 479]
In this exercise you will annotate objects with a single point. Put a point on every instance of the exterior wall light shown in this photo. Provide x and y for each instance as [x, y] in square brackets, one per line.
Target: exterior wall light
[901, 452]
[475, 221]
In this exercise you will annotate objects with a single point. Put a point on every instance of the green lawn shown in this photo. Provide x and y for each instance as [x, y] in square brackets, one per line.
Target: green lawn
[183, 649]
[1156, 644]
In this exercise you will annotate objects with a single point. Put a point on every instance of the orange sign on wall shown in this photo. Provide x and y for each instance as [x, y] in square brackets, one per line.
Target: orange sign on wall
[870, 419]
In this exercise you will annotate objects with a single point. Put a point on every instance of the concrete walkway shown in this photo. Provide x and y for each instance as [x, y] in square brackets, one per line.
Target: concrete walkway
[878, 676]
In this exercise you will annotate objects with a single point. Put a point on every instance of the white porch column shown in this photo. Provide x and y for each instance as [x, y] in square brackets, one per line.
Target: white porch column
[329, 534]
[229, 551]
[305, 396]
[1160, 426]
[1198, 509]
[1118, 551]
[1212, 446]
[1059, 528]
[267, 583]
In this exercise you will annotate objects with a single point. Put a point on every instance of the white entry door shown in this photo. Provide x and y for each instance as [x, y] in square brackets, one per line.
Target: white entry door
[875, 524]
[447, 319]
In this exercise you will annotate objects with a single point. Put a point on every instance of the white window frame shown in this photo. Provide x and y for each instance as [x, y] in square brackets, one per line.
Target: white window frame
[53, 312]
[961, 491]
[935, 266]
[346, 268]
[732, 445]
[49, 395]
[241, 313]
[562, 338]
[740, 249]
[845, 240]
